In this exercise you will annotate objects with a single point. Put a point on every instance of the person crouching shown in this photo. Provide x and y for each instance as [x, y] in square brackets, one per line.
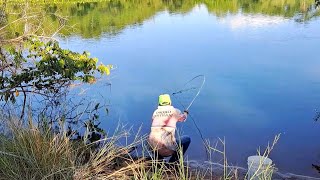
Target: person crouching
[162, 136]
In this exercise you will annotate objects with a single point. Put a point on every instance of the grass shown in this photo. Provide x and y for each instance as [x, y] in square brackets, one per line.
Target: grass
[27, 152]
[32, 154]
[263, 171]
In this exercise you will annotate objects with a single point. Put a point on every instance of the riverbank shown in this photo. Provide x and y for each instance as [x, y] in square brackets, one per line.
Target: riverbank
[242, 171]
[30, 152]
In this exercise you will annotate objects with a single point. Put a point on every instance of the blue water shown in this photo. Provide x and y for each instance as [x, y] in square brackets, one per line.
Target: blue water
[262, 79]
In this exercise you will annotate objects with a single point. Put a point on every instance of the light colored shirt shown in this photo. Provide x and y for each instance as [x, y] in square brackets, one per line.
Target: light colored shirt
[162, 135]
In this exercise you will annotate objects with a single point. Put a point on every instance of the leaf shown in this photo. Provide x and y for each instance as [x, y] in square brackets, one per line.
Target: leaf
[100, 130]
[96, 116]
[6, 97]
[97, 106]
[12, 98]
[17, 93]
[91, 80]
[104, 69]
[61, 63]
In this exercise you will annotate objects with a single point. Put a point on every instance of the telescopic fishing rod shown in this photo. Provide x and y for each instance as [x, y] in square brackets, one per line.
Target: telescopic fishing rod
[190, 104]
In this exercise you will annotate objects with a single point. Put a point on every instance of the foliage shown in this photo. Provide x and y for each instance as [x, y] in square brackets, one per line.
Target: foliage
[93, 132]
[45, 69]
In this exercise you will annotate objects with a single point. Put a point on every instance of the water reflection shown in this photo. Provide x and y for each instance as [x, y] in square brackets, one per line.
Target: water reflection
[253, 21]
[91, 20]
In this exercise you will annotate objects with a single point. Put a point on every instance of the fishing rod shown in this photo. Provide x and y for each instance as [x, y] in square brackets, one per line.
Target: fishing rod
[204, 80]
[190, 104]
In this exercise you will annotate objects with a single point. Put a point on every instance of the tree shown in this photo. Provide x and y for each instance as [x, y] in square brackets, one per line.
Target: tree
[45, 69]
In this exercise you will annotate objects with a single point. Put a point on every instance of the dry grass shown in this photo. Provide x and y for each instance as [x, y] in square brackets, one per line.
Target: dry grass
[32, 153]
[29, 153]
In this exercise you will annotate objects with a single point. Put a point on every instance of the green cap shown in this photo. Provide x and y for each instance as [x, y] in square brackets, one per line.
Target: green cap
[164, 100]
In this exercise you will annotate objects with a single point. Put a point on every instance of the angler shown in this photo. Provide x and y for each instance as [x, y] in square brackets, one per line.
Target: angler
[162, 136]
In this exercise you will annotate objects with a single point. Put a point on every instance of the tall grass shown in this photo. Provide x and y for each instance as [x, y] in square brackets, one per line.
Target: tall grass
[263, 171]
[27, 152]
[254, 172]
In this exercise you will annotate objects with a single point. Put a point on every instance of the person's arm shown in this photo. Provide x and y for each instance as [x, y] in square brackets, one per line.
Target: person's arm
[182, 116]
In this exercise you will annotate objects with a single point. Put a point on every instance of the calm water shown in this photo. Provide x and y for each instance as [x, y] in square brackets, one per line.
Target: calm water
[262, 73]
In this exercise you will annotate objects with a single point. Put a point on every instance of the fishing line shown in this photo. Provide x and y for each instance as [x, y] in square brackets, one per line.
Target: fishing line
[186, 89]
[183, 91]
[190, 104]
[198, 129]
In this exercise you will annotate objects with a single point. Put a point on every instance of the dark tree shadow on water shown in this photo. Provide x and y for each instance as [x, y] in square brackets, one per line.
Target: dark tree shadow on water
[317, 116]
[316, 167]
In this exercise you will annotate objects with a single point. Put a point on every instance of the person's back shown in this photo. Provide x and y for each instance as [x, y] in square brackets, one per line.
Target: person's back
[162, 135]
